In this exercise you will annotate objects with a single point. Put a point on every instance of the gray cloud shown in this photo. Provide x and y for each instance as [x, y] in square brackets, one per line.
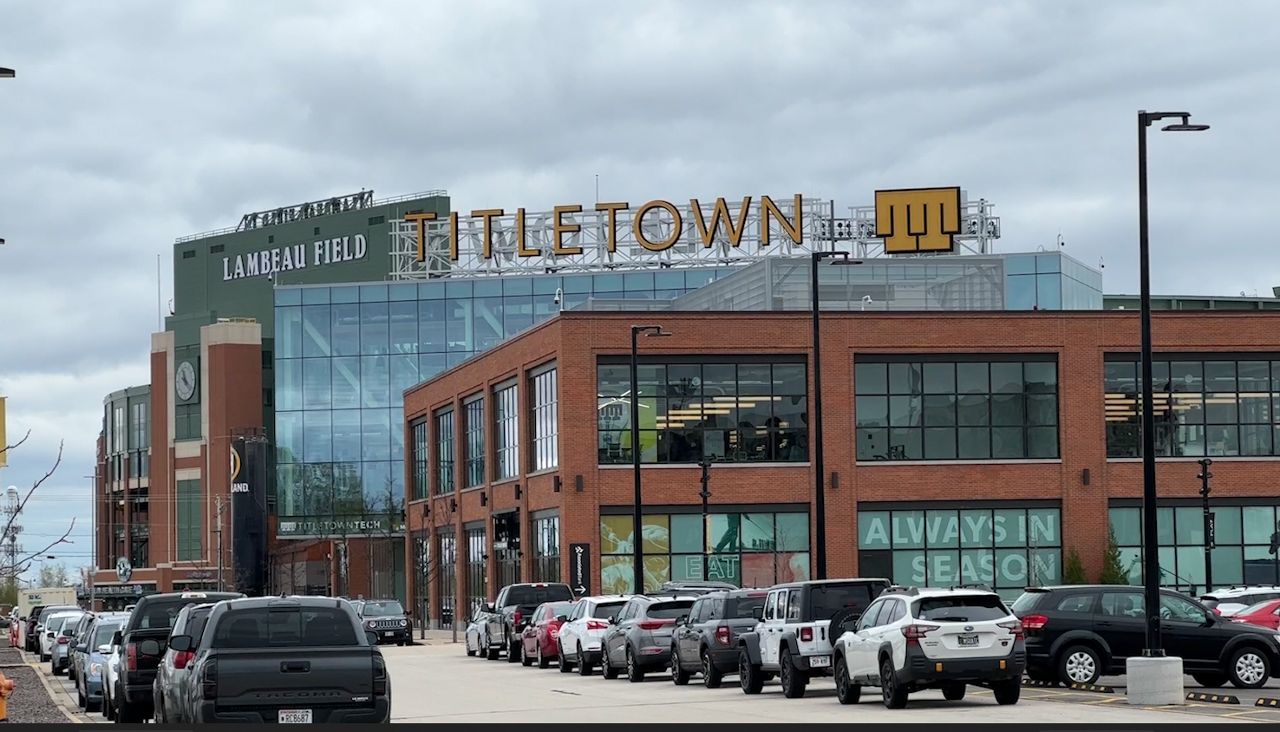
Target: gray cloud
[134, 122]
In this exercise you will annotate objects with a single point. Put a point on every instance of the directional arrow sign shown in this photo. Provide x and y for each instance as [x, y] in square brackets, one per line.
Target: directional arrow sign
[580, 569]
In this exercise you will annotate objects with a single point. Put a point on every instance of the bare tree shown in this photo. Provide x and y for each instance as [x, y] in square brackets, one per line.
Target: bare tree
[23, 563]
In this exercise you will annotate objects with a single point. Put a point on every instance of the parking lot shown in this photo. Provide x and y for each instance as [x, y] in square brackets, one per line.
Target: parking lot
[466, 689]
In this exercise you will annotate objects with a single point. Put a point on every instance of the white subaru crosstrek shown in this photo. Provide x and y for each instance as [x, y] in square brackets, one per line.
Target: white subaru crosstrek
[911, 639]
[583, 630]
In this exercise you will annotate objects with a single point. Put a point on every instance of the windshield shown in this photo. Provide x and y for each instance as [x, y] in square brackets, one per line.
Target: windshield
[292, 626]
[69, 625]
[960, 609]
[102, 635]
[56, 622]
[374, 609]
[606, 610]
[665, 610]
[531, 595]
[826, 600]
[744, 607]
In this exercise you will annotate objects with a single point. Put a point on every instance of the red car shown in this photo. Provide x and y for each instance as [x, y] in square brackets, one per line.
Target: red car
[540, 636]
[1265, 613]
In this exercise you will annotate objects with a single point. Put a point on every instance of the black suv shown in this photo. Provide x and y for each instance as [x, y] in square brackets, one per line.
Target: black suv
[1076, 633]
[387, 619]
[706, 640]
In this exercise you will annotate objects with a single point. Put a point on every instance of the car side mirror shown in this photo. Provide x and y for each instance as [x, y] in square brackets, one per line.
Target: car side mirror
[562, 618]
[182, 643]
[682, 620]
[613, 620]
[371, 637]
[71, 645]
[117, 638]
[487, 607]
[758, 613]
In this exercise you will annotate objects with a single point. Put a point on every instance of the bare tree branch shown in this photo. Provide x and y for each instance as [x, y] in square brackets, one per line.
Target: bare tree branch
[7, 448]
[23, 503]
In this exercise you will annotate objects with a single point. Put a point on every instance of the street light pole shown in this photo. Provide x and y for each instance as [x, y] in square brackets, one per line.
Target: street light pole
[636, 539]
[815, 426]
[1150, 547]
[1209, 532]
[705, 494]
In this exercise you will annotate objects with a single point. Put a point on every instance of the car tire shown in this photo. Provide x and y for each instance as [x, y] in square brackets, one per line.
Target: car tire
[470, 651]
[893, 694]
[563, 662]
[1249, 668]
[584, 666]
[1210, 680]
[607, 670]
[543, 661]
[1079, 665]
[1007, 691]
[514, 651]
[847, 692]
[679, 676]
[750, 677]
[490, 650]
[81, 701]
[525, 658]
[711, 676]
[953, 691]
[793, 679]
[635, 674]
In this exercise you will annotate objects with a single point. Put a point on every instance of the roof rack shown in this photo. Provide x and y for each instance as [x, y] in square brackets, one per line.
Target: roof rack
[900, 590]
[974, 586]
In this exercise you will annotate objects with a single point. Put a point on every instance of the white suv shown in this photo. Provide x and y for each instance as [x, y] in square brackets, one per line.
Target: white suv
[581, 634]
[918, 638]
[1228, 601]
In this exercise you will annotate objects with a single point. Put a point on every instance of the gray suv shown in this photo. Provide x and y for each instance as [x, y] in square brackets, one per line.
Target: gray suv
[639, 638]
[707, 640]
[387, 620]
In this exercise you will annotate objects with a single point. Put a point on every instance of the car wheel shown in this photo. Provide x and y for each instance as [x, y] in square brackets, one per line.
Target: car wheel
[490, 650]
[606, 669]
[1210, 680]
[750, 677]
[1007, 691]
[584, 666]
[1079, 665]
[514, 651]
[892, 693]
[564, 662]
[711, 676]
[679, 676]
[1249, 668]
[953, 692]
[80, 700]
[635, 674]
[525, 658]
[470, 651]
[793, 680]
[846, 691]
[543, 661]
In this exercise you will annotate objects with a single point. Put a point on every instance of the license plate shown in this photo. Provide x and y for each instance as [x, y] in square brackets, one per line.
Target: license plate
[967, 640]
[294, 716]
[819, 661]
[388, 634]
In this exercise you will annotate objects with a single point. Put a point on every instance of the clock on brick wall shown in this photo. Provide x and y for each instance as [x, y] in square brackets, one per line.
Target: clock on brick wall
[185, 381]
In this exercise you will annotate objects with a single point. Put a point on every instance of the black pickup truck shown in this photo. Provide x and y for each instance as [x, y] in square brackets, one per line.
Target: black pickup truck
[287, 660]
[142, 644]
[505, 617]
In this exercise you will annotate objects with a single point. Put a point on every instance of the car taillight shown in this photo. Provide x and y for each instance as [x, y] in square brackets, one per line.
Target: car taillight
[1013, 626]
[722, 635]
[182, 658]
[655, 624]
[379, 675]
[1034, 622]
[131, 657]
[914, 633]
[596, 625]
[209, 680]
[517, 617]
[806, 634]
[62, 641]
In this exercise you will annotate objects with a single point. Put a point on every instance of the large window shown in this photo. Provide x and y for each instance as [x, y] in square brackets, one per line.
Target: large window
[506, 547]
[726, 411]
[1218, 406]
[138, 426]
[421, 464]
[447, 563]
[1005, 548]
[1241, 553]
[546, 547]
[444, 452]
[756, 549]
[546, 421]
[506, 433]
[475, 441]
[988, 407]
[118, 445]
[477, 576]
[189, 527]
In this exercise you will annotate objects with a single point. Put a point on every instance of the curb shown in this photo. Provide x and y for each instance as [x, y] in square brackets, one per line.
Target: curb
[1213, 698]
[1094, 688]
[53, 694]
[1266, 701]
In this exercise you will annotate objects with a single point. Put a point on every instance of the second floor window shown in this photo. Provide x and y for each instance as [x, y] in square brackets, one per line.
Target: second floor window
[475, 441]
[545, 421]
[506, 432]
[444, 452]
[420, 464]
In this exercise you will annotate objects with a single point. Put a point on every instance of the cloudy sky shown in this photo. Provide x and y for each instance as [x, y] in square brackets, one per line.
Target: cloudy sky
[132, 122]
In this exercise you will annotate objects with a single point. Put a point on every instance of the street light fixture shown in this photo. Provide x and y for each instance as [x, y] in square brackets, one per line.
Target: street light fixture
[815, 428]
[651, 331]
[7, 73]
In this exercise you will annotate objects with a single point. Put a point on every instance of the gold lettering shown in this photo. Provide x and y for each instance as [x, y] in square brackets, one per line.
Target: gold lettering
[559, 227]
[767, 208]
[520, 248]
[677, 226]
[453, 236]
[613, 209]
[488, 215]
[421, 218]
[721, 210]
[918, 219]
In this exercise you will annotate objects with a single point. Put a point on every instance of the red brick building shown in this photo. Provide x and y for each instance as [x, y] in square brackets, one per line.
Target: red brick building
[959, 447]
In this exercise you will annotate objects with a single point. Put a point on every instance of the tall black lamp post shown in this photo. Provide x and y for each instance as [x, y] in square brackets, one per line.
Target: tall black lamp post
[1150, 548]
[705, 495]
[636, 538]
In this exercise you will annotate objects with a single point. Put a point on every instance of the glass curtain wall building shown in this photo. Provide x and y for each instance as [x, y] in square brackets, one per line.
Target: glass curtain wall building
[344, 355]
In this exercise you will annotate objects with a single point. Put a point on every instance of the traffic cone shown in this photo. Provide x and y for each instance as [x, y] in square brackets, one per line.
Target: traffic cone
[6, 688]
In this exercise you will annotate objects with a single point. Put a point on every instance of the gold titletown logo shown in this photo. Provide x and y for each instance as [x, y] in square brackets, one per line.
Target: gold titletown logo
[918, 219]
